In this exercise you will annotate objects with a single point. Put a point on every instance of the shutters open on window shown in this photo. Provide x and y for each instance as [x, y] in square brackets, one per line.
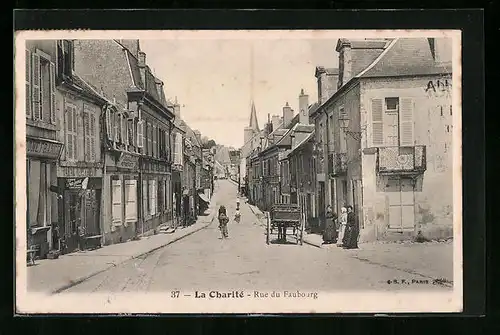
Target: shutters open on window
[93, 137]
[130, 200]
[140, 134]
[406, 125]
[52, 74]
[377, 122]
[176, 149]
[36, 93]
[145, 197]
[116, 199]
[86, 133]
[28, 84]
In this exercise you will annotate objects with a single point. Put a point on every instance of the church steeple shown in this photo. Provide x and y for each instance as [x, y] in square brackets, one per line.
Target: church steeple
[254, 124]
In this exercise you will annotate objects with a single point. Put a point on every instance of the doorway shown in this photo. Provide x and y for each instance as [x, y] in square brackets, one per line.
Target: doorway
[401, 203]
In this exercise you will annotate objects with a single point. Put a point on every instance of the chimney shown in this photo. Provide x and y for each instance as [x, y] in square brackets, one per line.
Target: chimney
[177, 109]
[142, 58]
[345, 61]
[303, 107]
[327, 83]
[275, 120]
[287, 115]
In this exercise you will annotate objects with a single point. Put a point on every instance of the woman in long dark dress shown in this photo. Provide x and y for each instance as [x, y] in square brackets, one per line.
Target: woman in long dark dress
[330, 232]
[352, 231]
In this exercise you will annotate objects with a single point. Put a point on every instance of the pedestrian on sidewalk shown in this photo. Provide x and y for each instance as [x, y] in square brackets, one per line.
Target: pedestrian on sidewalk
[351, 240]
[330, 232]
[342, 226]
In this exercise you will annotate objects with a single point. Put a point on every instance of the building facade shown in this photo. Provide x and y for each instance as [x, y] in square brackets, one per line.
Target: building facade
[43, 149]
[389, 137]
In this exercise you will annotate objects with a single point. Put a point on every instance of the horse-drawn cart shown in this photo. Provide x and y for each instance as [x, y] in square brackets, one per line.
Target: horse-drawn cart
[281, 219]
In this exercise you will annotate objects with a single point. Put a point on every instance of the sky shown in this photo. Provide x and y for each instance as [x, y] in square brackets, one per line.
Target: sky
[212, 80]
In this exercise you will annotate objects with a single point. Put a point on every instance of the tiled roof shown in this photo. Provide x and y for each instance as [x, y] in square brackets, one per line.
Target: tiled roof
[301, 142]
[313, 108]
[406, 57]
[134, 67]
[75, 82]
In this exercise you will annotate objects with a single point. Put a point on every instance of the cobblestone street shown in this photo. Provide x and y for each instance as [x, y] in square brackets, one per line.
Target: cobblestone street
[244, 261]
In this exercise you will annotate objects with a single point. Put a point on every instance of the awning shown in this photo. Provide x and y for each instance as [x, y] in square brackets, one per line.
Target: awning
[203, 197]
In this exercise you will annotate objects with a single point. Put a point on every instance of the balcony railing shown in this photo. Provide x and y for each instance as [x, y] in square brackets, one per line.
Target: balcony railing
[401, 160]
[337, 164]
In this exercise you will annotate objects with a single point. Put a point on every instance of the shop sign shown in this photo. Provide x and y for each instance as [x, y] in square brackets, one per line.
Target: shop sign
[43, 148]
[128, 161]
[83, 183]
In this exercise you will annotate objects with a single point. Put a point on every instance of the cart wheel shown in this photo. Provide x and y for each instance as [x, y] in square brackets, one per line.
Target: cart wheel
[268, 228]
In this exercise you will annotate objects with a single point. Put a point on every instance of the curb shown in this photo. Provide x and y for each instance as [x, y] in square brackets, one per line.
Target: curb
[82, 279]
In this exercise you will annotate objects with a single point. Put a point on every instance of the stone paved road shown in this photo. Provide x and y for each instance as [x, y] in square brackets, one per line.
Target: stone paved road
[203, 261]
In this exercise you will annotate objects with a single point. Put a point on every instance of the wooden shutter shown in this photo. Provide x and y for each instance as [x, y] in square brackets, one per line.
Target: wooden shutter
[145, 196]
[152, 197]
[52, 75]
[123, 122]
[131, 132]
[377, 122]
[116, 127]
[406, 125]
[140, 134]
[28, 84]
[130, 200]
[109, 124]
[93, 137]
[70, 128]
[36, 93]
[155, 135]
[86, 133]
[116, 196]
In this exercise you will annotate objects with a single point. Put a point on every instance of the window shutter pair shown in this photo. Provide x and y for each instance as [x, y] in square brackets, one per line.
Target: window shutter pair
[140, 134]
[34, 88]
[28, 84]
[406, 123]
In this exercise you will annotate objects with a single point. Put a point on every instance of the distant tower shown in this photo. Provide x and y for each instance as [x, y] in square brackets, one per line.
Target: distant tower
[253, 125]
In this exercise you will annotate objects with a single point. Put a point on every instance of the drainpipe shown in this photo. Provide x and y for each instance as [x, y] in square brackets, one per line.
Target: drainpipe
[103, 157]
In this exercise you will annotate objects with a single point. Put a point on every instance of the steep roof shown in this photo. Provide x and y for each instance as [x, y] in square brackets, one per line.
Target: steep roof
[254, 123]
[406, 57]
[301, 141]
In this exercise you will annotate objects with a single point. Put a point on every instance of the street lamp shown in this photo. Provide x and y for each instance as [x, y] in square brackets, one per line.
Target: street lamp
[344, 125]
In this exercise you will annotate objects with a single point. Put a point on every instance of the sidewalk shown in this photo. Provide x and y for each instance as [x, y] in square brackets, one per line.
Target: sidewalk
[53, 276]
[429, 259]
